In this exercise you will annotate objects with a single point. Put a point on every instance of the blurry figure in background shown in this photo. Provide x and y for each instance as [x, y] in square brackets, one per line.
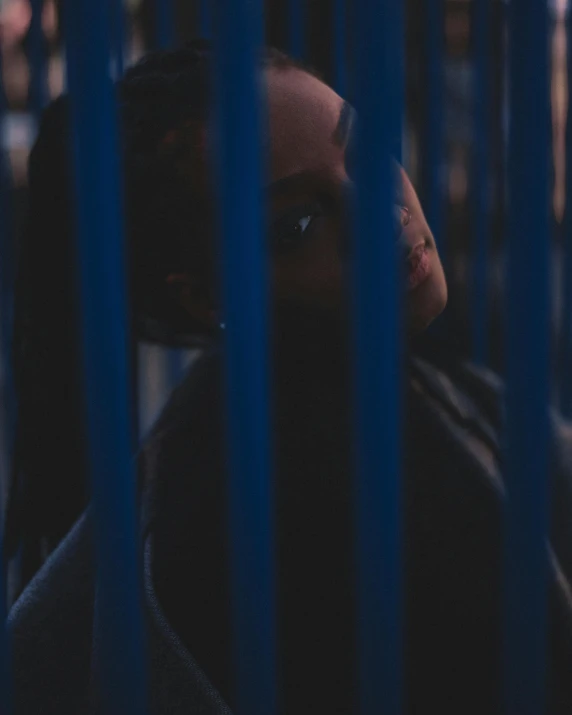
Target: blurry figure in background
[15, 17]
[559, 107]
[14, 22]
[453, 485]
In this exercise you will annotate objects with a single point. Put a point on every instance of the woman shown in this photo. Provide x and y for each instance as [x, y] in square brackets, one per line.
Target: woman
[453, 486]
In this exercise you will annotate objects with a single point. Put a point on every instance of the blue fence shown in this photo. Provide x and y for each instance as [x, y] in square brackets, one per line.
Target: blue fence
[371, 62]
[528, 321]
[106, 357]
[378, 36]
[245, 317]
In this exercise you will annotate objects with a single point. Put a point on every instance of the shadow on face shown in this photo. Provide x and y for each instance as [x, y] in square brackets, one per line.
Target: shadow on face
[310, 126]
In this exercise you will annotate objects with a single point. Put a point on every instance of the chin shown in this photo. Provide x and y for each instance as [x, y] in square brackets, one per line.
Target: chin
[426, 303]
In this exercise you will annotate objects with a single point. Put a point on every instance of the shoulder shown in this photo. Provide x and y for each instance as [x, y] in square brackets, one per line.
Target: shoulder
[469, 389]
[469, 401]
[466, 403]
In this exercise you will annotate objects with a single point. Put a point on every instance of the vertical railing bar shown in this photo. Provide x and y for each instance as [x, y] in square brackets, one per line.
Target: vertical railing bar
[566, 321]
[340, 48]
[120, 35]
[38, 93]
[165, 23]
[297, 28]
[398, 83]
[7, 399]
[499, 157]
[238, 39]
[205, 23]
[119, 662]
[377, 313]
[481, 49]
[528, 326]
[121, 48]
[434, 152]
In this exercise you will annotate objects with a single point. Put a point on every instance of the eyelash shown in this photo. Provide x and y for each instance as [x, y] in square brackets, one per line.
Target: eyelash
[288, 232]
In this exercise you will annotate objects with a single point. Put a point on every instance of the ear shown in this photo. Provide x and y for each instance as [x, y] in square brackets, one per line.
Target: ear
[192, 298]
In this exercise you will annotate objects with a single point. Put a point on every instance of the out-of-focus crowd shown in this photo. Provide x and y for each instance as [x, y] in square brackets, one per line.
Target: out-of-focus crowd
[18, 124]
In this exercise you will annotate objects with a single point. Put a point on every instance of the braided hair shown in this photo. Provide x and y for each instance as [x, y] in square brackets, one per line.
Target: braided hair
[159, 98]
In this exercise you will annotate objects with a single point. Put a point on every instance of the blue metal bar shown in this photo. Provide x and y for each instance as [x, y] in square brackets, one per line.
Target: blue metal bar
[296, 28]
[377, 310]
[165, 23]
[239, 172]
[397, 87]
[7, 399]
[481, 166]
[528, 332]
[205, 19]
[120, 35]
[566, 321]
[434, 138]
[340, 48]
[38, 93]
[121, 661]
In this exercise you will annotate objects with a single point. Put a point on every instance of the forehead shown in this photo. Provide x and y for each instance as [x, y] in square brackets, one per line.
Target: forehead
[303, 116]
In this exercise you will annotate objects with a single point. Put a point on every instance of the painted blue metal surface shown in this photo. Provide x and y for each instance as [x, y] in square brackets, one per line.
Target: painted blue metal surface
[205, 19]
[7, 400]
[482, 92]
[120, 662]
[297, 28]
[340, 41]
[38, 94]
[119, 23]
[377, 316]
[434, 149]
[165, 24]
[239, 176]
[566, 321]
[528, 325]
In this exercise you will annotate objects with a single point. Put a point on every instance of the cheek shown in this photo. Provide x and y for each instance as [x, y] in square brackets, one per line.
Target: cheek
[312, 274]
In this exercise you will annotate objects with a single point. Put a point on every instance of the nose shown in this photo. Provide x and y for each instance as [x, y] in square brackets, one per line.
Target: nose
[401, 219]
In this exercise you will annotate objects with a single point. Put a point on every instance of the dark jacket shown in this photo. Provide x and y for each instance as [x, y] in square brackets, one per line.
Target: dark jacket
[453, 561]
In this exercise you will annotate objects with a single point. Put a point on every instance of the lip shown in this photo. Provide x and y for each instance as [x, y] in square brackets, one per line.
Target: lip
[418, 265]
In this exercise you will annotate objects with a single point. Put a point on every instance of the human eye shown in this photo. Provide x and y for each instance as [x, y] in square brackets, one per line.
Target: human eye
[294, 227]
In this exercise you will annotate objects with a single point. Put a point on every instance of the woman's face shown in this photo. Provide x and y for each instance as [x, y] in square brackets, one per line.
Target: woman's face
[309, 130]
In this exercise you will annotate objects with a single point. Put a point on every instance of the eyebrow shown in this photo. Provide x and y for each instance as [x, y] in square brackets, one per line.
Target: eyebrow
[342, 130]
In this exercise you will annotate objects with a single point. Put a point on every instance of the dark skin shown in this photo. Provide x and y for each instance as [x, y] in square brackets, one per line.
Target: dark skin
[309, 131]
[451, 537]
